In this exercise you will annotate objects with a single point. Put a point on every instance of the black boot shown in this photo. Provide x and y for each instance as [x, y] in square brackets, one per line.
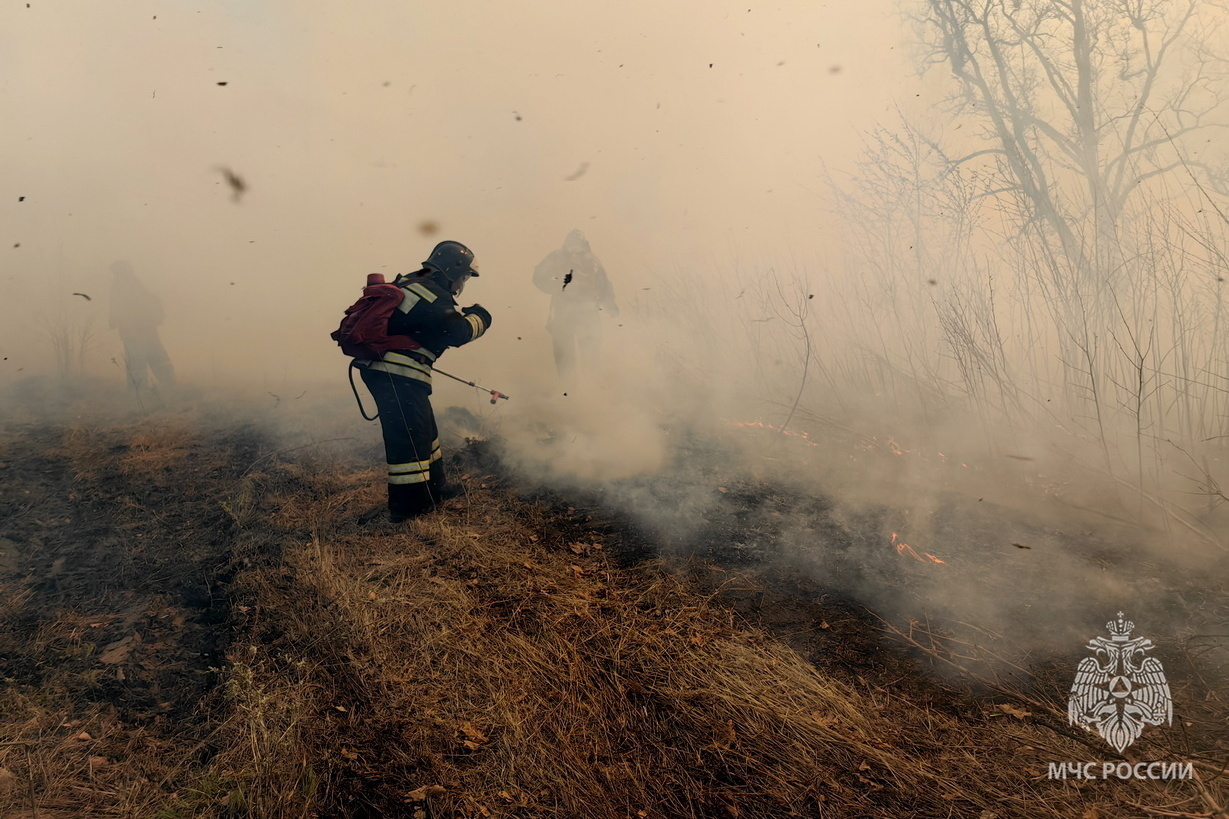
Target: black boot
[408, 500]
[449, 491]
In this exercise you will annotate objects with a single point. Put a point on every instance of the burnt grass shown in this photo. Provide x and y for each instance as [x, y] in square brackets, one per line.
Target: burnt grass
[137, 560]
[115, 566]
[869, 616]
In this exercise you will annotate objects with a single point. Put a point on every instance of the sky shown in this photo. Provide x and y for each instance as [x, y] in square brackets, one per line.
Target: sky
[685, 133]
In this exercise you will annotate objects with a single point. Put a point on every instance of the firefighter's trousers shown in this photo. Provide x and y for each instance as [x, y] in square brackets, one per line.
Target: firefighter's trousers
[411, 443]
[143, 352]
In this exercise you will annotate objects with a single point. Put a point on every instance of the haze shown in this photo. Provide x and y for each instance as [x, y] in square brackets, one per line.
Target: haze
[919, 300]
[673, 134]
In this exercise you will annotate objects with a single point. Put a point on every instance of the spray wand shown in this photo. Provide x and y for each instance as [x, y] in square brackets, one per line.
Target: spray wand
[494, 393]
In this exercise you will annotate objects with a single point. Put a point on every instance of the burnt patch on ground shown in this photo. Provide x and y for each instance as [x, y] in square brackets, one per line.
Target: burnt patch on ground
[198, 623]
[738, 559]
[117, 550]
[874, 597]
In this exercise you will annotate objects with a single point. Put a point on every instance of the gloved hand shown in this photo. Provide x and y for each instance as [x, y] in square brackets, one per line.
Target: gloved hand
[479, 311]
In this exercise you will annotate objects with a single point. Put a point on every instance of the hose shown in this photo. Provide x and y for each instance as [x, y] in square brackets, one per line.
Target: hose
[359, 400]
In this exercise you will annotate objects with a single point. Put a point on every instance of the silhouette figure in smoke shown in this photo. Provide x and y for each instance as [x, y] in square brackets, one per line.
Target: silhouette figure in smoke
[136, 314]
[580, 293]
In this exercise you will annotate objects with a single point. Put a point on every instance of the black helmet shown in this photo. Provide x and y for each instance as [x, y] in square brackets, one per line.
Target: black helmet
[452, 259]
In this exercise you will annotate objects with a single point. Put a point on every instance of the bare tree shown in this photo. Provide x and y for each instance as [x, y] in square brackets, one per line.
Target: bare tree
[910, 228]
[1082, 100]
[70, 337]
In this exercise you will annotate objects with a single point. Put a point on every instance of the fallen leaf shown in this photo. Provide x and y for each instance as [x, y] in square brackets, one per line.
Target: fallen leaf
[1015, 712]
[118, 651]
[472, 732]
[423, 792]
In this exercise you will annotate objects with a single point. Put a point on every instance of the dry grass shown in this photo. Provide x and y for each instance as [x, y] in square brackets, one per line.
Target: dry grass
[480, 655]
[475, 653]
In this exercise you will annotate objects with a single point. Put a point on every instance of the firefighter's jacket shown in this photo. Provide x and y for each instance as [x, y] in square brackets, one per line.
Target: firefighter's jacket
[578, 288]
[428, 314]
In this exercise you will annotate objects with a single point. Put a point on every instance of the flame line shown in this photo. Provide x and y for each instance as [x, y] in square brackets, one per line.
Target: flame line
[903, 548]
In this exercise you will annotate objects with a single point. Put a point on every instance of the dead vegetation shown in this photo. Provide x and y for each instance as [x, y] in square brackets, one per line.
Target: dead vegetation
[197, 626]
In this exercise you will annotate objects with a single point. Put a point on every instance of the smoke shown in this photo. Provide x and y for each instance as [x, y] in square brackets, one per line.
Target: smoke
[711, 435]
[767, 392]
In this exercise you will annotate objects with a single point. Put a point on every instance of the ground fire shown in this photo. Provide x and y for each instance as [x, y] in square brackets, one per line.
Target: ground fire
[903, 548]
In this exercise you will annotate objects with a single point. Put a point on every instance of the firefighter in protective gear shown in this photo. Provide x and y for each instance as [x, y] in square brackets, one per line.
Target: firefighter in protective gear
[580, 293]
[136, 314]
[401, 381]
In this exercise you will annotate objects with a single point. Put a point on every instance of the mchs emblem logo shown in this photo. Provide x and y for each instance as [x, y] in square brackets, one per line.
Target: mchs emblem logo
[1119, 690]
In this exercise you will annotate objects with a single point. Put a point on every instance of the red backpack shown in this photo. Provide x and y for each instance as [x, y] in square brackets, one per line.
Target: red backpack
[364, 331]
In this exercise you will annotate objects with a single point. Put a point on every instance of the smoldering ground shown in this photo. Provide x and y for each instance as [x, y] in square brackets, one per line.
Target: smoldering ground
[1012, 540]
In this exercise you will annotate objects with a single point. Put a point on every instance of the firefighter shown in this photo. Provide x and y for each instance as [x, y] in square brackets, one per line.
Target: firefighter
[580, 293]
[135, 314]
[401, 380]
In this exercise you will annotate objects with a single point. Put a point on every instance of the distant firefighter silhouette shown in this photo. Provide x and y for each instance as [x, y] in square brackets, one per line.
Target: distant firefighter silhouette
[136, 314]
[580, 293]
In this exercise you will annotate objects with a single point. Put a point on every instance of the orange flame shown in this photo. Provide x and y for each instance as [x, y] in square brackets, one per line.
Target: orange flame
[761, 425]
[903, 548]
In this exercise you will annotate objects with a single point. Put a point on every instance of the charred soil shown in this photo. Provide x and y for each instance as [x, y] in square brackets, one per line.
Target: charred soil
[199, 621]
